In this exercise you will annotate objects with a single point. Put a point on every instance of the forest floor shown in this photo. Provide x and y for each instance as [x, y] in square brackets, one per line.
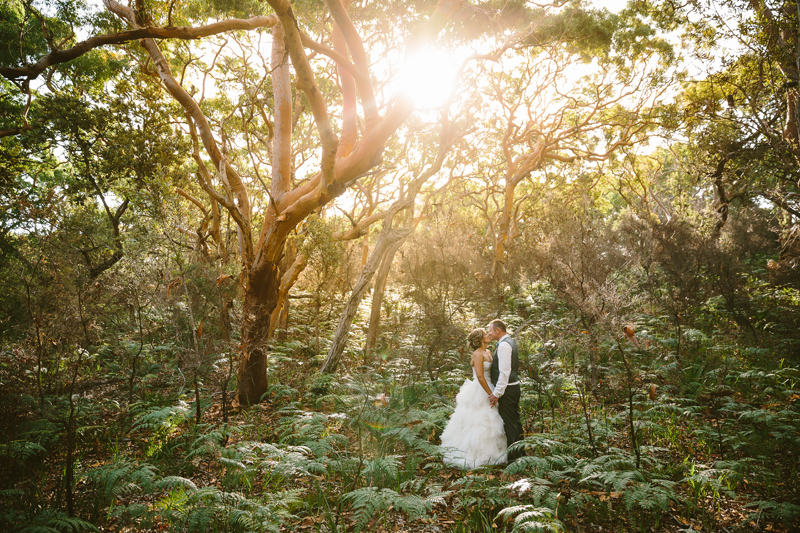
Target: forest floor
[726, 514]
[608, 510]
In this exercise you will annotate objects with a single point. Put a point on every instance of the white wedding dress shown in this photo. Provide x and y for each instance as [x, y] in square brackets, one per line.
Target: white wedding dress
[474, 436]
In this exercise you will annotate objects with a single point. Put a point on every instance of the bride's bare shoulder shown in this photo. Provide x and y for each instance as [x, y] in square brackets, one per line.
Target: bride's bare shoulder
[482, 355]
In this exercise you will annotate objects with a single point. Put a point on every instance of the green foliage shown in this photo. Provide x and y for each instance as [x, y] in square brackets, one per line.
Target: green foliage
[478, 498]
[45, 521]
[187, 508]
[120, 479]
[161, 423]
[369, 501]
[184, 506]
[787, 513]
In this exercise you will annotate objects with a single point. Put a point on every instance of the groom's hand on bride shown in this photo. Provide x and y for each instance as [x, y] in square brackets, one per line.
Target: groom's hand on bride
[492, 400]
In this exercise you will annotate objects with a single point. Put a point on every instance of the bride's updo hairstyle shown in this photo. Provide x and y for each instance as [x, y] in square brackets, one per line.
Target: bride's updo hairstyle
[475, 338]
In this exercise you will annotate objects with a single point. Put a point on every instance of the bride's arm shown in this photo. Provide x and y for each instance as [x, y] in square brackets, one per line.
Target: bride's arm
[477, 364]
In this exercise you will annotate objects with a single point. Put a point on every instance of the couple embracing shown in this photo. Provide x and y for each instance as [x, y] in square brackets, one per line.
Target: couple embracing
[486, 419]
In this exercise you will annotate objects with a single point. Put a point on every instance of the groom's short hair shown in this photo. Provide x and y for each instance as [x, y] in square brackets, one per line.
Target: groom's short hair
[498, 324]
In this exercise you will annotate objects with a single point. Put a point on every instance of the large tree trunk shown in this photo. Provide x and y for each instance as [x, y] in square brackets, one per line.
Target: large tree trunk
[791, 131]
[503, 231]
[518, 168]
[260, 299]
[263, 288]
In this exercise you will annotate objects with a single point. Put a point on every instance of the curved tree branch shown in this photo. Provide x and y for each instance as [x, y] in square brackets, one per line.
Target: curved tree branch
[180, 32]
[359, 55]
[306, 82]
[227, 172]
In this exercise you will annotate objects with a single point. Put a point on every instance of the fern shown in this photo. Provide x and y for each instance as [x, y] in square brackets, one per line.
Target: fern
[537, 489]
[173, 482]
[788, 513]
[288, 461]
[162, 422]
[34, 439]
[209, 508]
[121, 478]
[409, 440]
[152, 419]
[531, 518]
[11, 493]
[48, 521]
[704, 481]
[535, 466]
[174, 502]
[10, 518]
[738, 470]
[612, 472]
[477, 489]
[370, 501]
[209, 443]
[654, 495]
[23, 450]
[282, 392]
[781, 425]
[381, 471]
[304, 428]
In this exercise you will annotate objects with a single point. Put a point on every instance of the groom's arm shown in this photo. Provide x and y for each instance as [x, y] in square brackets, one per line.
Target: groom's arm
[504, 364]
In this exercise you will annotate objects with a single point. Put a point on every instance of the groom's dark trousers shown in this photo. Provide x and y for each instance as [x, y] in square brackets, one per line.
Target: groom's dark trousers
[508, 406]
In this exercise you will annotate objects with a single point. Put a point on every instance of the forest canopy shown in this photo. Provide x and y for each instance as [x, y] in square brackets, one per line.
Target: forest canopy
[243, 243]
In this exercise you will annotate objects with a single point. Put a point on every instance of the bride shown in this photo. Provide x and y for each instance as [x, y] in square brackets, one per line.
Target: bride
[474, 436]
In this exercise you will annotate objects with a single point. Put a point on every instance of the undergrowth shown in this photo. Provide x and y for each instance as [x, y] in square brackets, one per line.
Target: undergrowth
[644, 451]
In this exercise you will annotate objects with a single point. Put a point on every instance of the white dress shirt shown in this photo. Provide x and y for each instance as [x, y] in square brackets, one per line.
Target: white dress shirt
[504, 365]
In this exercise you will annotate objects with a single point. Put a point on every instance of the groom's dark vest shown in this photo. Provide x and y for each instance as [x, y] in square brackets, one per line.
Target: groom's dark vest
[494, 373]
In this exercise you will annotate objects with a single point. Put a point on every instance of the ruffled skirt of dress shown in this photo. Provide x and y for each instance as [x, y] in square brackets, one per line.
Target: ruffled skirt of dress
[474, 436]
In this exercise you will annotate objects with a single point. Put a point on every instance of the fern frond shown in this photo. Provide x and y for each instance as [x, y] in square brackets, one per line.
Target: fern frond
[535, 466]
[48, 521]
[788, 513]
[23, 450]
[381, 471]
[530, 518]
[171, 482]
[152, 419]
[655, 495]
[121, 478]
[538, 489]
[436, 496]
[368, 501]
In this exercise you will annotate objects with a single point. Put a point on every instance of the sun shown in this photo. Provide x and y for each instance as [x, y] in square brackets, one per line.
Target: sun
[428, 77]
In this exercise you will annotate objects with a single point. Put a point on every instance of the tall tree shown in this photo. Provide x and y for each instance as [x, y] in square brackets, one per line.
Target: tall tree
[542, 108]
[289, 203]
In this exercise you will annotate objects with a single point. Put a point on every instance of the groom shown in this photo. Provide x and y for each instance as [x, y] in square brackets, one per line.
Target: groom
[504, 374]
